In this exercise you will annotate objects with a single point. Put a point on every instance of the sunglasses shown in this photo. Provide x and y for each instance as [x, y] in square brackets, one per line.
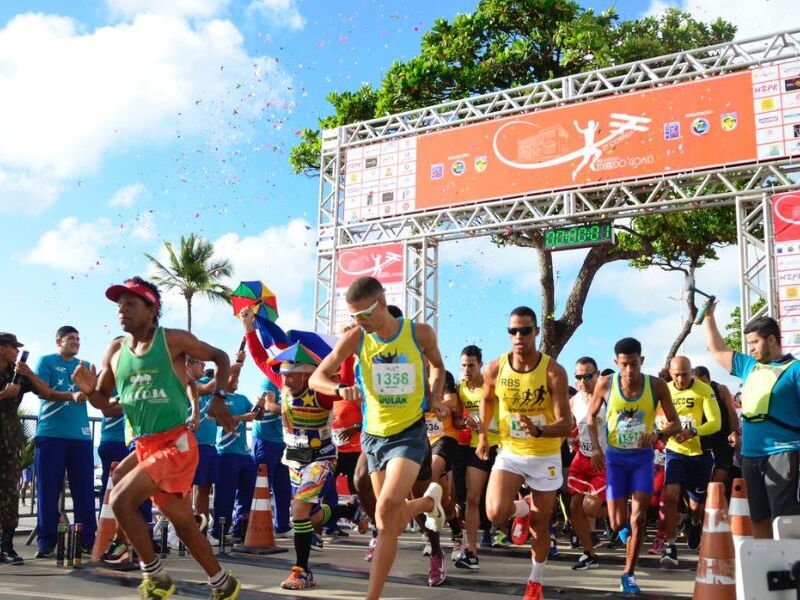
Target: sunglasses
[520, 330]
[365, 314]
[585, 376]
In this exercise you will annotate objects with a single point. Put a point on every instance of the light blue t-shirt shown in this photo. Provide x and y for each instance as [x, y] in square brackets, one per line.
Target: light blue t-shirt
[765, 437]
[69, 420]
[270, 428]
[235, 443]
[207, 431]
[113, 429]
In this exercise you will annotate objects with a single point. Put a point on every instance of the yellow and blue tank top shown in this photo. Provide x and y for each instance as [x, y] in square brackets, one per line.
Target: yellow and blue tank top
[628, 419]
[524, 393]
[306, 424]
[392, 376]
[471, 399]
[691, 404]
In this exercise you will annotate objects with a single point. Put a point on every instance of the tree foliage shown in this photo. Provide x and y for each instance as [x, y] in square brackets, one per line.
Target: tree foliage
[733, 329]
[193, 270]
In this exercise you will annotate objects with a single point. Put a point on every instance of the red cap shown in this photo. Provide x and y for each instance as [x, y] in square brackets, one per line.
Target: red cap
[115, 291]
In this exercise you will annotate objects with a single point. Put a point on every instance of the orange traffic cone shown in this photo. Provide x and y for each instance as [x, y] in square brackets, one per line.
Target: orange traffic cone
[716, 566]
[107, 525]
[741, 526]
[260, 537]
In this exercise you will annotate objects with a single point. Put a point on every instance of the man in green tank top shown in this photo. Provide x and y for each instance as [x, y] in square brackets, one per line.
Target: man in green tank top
[147, 367]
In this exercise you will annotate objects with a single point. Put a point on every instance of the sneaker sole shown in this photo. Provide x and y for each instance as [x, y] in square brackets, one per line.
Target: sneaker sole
[669, 563]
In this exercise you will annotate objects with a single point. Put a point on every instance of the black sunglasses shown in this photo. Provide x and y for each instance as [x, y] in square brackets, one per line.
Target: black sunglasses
[520, 330]
[585, 376]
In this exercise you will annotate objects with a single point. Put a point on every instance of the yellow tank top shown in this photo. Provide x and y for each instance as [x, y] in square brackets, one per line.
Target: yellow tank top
[471, 399]
[628, 419]
[689, 406]
[392, 374]
[524, 394]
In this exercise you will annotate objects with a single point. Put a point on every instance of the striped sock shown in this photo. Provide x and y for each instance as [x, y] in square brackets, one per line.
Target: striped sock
[154, 569]
[219, 580]
[326, 513]
[303, 532]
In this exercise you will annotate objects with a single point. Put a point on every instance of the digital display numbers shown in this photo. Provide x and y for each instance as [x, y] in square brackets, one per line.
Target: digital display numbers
[578, 236]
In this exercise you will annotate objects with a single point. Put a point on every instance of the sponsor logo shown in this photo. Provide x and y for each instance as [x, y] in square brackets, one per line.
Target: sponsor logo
[792, 85]
[765, 89]
[458, 167]
[387, 196]
[790, 116]
[768, 119]
[729, 121]
[768, 104]
[437, 171]
[700, 126]
[371, 163]
[480, 164]
[141, 379]
[672, 131]
[796, 130]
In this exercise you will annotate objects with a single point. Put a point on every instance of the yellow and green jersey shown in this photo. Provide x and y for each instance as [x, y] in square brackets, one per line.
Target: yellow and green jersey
[629, 419]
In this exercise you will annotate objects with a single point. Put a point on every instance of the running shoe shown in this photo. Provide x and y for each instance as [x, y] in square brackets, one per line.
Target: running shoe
[657, 547]
[625, 534]
[669, 556]
[434, 520]
[486, 539]
[427, 549]
[230, 591]
[614, 542]
[458, 547]
[316, 543]
[10, 557]
[553, 551]
[574, 542]
[117, 552]
[370, 549]
[338, 532]
[44, 553]
[468, 560]
[693, 534]
[533, 591]
[299, 579]
[586, 562]
[156, 588]
[500, 540]
[437, 572]
[361, 520]
[628, 585]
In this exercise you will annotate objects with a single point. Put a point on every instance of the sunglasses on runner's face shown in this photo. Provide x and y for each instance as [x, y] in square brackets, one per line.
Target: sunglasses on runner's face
[585, 376]
[365, 314]
[520, 330]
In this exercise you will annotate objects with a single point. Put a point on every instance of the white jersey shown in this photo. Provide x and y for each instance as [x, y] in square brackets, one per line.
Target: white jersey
[580, 410]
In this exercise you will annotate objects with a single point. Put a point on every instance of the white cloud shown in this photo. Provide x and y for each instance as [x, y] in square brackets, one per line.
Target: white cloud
[177, 8]
[22, 193]
[72, 246]
[117, 87]
[282, 13]
[144, 227]
[126, 197]
[751, 18]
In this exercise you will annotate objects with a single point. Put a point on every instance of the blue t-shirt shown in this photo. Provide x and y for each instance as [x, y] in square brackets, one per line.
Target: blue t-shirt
[765, 437]
[236, 443]
[113, 429]
[207, 431]
[270, 428]
[70, 419]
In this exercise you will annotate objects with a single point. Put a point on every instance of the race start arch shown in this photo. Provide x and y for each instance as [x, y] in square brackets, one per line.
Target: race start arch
[714, 126]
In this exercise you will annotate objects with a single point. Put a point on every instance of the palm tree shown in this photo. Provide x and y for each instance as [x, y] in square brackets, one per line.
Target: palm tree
[193, 271]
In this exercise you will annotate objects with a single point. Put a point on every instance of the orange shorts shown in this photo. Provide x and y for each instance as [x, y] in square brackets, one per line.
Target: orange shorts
[170, 458]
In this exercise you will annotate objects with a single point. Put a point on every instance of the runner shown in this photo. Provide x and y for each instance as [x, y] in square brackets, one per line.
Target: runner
[147, 367]
[392, 355]
[632, 398]
[530, 389]
[687, 465]
[770, 419]
[587, 484]
[310, 453]
[721, 443]
[207, 472]
[470, 393]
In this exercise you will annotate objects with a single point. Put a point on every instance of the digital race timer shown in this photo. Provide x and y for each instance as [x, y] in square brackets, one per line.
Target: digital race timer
[578, 236]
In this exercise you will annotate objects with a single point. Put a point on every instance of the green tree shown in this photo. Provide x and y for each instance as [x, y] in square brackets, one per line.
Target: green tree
[507, 43]
[193, 270]
[733, 329]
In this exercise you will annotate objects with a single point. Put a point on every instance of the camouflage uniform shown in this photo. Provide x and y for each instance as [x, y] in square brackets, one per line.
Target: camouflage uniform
[11, 442]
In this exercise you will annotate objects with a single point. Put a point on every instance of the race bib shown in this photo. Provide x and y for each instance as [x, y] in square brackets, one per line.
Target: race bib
[338, 437]
[586, 447]
[297, 441]
[688, 422]
[515, 425]
[629, 433]
[660, 458]
[434, 426]
[394, 379]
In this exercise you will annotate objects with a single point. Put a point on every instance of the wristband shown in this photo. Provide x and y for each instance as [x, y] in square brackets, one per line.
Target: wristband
[339, 389]
[221, 393]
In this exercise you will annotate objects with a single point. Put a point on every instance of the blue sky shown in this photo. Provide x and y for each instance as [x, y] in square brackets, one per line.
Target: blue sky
[127, 122]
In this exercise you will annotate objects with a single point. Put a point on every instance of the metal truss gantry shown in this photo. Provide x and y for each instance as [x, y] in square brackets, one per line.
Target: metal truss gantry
[747, 186]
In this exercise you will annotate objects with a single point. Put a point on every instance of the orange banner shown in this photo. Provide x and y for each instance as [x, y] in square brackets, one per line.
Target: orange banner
[676, 128]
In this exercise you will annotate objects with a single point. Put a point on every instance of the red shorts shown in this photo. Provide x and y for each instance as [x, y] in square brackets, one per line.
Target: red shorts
[583, 479]
[170, 458]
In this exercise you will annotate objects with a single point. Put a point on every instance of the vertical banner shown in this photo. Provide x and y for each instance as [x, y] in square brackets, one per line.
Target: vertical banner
[386, 263]
[786, 223]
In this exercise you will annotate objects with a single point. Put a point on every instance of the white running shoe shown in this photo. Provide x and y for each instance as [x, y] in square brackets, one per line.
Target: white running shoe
[435, 519]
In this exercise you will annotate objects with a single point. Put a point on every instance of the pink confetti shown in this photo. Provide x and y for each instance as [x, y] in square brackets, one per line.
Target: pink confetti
[298, 133]
[196, 215]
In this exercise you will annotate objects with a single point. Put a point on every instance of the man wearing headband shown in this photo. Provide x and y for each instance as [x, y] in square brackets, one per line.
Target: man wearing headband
[147, 367]
[310, 452]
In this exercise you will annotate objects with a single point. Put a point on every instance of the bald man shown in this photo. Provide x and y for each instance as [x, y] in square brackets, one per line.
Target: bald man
[687, 465]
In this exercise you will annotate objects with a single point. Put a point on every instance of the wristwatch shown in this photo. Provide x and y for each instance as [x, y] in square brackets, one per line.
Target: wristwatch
[221, 393]
[339, 389]
[538, 431]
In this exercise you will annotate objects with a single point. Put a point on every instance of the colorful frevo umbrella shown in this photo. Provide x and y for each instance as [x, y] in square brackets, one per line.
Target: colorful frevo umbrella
[258, 296]
[296, 353]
